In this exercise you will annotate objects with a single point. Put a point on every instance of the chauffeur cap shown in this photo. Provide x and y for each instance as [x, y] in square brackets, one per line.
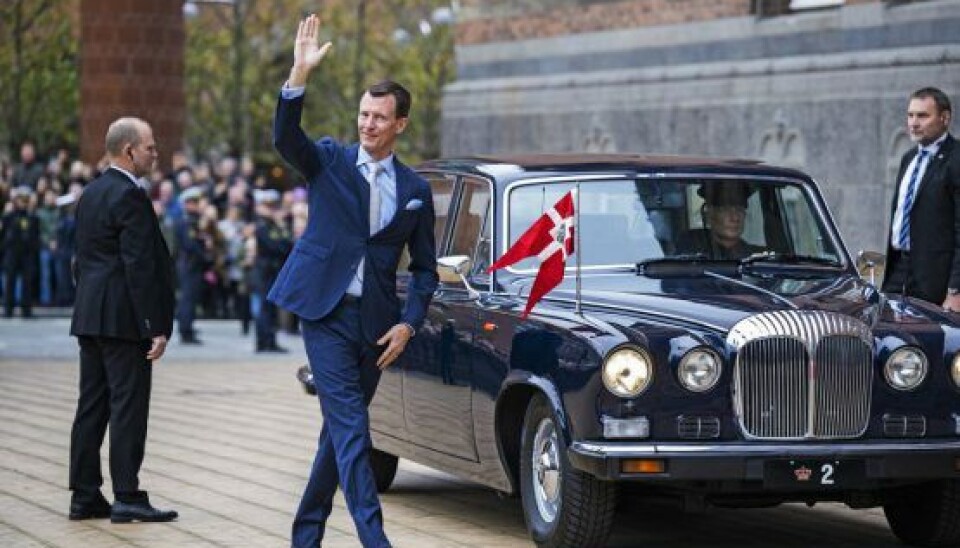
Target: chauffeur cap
[725, 193]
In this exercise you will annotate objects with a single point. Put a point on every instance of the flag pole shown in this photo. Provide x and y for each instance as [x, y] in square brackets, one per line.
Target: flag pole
[577, 250]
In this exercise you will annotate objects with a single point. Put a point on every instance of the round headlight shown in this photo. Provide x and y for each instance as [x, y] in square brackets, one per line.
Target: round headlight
[627, 372]
[906, 368]
[955, 370]
[699, 370]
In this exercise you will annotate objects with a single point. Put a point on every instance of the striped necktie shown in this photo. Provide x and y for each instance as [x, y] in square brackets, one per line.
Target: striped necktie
[903, 239]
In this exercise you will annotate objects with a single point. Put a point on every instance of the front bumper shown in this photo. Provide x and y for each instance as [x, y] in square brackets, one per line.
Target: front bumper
[878, 463]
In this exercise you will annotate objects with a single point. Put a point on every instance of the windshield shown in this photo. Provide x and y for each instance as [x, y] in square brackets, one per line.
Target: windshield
[624, 222]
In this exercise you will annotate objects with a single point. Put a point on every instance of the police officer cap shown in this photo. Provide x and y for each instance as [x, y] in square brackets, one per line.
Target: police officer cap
[268, 196]
[722, 193]
[22, 191]
[190, 194]
[66, 199]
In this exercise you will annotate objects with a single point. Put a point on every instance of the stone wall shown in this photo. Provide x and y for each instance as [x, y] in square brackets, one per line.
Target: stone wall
[823, 91]
[131, 65]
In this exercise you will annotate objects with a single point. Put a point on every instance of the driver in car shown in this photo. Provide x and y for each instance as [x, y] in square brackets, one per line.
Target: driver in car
[724, 212]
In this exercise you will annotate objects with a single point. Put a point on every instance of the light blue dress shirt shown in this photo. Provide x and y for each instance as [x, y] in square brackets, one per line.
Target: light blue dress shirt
[387, 181]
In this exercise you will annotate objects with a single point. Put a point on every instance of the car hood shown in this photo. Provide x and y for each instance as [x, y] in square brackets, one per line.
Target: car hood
[720, 303]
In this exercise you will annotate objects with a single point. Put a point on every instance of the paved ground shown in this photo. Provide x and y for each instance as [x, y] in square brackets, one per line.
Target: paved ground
[231, 440]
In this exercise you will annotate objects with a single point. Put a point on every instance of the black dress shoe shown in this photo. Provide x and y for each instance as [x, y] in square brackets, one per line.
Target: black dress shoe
[127, 512]
[95, 510]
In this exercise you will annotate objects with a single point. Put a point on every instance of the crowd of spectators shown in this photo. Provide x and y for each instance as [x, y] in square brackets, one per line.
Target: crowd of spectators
[212, 204]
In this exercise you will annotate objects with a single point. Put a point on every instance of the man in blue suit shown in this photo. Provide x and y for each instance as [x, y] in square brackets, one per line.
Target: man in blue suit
[340, 279]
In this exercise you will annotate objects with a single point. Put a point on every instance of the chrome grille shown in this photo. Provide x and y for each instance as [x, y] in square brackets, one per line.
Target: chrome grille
[773, 377]
[843, 372]
[802, 375]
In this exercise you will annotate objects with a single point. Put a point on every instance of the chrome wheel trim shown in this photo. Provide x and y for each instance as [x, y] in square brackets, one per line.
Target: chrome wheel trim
[546, 478]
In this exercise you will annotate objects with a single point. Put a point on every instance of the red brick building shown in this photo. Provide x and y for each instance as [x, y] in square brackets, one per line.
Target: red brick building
[131, 64]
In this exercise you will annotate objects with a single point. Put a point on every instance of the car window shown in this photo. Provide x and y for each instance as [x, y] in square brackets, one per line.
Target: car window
[801, 223]
[467, 238]
[626, 221]
[441, 186]
[614, 224]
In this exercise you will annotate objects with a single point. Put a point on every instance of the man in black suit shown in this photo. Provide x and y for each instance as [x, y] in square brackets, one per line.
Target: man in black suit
[923, 247]
[122, 318]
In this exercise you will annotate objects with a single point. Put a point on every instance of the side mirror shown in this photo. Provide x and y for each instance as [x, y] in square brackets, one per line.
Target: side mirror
[454, 269]
[867, 264]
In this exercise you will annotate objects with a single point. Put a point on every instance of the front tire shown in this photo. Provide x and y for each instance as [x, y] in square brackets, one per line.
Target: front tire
[926, 514]
[384, 466]
[561, 505]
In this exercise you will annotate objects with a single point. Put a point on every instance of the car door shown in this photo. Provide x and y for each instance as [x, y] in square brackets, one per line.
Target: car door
[386, 409]
[438, 382]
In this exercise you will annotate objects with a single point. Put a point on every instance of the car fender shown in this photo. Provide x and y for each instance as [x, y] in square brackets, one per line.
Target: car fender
[517, 389]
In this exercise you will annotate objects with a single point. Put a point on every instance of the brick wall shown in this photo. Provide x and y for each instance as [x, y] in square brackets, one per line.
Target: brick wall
[509, 21]
[131, 65]
[594, 17]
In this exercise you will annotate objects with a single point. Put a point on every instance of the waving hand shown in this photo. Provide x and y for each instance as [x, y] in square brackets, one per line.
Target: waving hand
[307, 51]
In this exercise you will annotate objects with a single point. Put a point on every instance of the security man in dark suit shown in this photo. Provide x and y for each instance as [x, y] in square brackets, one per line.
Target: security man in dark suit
[20, 247]
[193, 257]
[923, 247]
[273, 245]
[341, 280]
[122, 318]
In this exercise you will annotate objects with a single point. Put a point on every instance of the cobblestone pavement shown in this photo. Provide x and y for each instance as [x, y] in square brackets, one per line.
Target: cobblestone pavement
[231, 440]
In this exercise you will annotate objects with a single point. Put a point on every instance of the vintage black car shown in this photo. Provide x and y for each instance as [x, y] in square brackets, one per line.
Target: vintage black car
[719, 344]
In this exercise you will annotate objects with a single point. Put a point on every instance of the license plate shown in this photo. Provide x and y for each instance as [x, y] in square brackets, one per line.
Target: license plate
[813, 474]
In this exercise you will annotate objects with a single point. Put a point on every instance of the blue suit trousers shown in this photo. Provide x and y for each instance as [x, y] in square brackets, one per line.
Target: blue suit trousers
[346, 375]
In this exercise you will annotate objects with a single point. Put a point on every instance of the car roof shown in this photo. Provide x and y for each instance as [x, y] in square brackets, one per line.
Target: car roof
[512, 167]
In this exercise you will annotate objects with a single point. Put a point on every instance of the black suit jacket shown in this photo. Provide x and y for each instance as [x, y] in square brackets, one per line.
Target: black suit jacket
[123, 269]
[934, 225]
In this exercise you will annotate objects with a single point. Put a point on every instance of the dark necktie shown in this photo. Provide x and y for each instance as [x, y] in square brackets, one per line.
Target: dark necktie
[903, 239]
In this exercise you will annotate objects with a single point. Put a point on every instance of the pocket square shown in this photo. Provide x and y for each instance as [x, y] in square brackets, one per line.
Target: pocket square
[413, 205]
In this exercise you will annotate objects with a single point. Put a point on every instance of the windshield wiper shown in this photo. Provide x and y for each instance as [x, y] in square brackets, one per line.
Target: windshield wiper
[787, 258]
[690, 264]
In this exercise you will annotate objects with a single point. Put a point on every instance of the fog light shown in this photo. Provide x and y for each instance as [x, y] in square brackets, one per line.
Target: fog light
[956, 424]
[643, 466]
[635, 427]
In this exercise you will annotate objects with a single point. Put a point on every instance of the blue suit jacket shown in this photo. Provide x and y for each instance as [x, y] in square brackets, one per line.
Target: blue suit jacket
[318, 271]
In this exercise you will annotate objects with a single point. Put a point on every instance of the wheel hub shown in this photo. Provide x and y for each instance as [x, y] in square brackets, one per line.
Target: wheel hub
[546, 470]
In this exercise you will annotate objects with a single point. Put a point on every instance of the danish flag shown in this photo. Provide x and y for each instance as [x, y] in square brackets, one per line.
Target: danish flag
[550, 238]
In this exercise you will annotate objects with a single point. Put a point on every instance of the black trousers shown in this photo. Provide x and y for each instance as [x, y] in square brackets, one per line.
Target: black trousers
[114, 389]
[24, 269]
[901, 280]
